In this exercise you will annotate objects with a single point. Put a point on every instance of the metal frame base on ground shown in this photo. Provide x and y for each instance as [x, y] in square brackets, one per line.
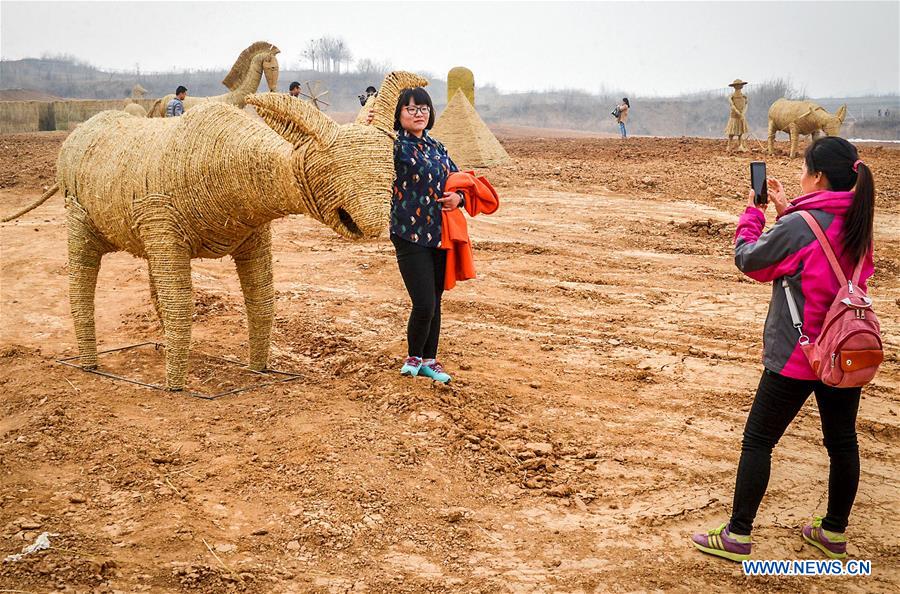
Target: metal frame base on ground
[285, 375]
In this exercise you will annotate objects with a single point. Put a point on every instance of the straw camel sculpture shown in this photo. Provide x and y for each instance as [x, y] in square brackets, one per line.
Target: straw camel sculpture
[243, 80]
[208, 184]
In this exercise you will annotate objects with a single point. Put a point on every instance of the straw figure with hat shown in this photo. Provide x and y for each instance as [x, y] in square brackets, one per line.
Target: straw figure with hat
[737, 118]
[207, 185]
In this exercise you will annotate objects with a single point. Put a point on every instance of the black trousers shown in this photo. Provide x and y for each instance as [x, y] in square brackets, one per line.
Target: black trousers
[422, 269]
[778, 400]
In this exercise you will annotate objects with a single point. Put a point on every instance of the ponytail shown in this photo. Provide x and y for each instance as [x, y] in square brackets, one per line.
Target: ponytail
[839, 161]
[861, 215]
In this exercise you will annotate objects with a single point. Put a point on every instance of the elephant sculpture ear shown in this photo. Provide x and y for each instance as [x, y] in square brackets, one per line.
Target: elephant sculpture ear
[842, 113]
[386, 102]
[294, 119]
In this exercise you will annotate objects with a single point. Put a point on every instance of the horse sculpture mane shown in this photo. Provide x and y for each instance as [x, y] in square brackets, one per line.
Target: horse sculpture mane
[236, 75]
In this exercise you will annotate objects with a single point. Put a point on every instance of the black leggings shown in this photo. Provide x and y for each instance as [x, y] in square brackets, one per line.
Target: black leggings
[422, 269]
[778, 400]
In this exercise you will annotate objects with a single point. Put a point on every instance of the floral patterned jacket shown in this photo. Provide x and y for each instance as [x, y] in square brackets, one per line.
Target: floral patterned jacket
[422, 166]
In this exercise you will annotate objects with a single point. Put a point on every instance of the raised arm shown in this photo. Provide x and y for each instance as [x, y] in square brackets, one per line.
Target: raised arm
[765, 256]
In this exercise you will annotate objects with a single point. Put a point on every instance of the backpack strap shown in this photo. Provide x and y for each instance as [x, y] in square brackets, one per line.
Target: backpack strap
[826, 246]
[795, 313]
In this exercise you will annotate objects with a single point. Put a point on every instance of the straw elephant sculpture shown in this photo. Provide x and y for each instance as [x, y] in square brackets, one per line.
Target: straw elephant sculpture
[802, 117]
[207, 185]
[243, 80]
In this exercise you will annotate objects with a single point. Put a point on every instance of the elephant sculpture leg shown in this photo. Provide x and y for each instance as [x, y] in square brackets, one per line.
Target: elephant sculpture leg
[253, 260]
[86, 248]
[170, 272]
[772, 132]
[795, 136]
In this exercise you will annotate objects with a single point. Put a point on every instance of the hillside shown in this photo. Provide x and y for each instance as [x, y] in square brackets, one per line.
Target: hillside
[695, 114]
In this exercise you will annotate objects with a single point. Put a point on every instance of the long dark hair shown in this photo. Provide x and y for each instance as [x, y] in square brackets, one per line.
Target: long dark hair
[420, 97]
[837, 159]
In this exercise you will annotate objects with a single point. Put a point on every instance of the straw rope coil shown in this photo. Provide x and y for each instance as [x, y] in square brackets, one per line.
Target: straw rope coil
[208, 184]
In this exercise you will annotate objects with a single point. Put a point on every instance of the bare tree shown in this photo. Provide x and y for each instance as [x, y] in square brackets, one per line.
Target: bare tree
[372, 68]
[313, 53]
[327, 54]
[764, 94]
[342, 54]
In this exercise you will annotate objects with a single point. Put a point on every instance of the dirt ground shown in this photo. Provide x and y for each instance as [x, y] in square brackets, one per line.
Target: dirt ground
[604, 362]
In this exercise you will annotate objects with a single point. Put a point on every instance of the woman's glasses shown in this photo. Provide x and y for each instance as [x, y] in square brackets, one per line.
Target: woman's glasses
[417, 109]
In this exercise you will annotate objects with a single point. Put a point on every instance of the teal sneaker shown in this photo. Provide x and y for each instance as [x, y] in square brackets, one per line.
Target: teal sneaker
[435, 371]
[411, 366]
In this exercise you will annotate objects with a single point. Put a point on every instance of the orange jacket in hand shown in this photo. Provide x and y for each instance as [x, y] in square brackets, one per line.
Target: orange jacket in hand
[481, 197]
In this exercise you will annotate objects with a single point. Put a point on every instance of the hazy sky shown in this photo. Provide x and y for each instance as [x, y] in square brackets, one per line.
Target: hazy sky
[645, 48]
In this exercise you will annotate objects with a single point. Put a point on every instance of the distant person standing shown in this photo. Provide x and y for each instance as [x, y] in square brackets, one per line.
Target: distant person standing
[370, 91]
[175, 107]
[623, 108]
[363, 116]
[294, 89]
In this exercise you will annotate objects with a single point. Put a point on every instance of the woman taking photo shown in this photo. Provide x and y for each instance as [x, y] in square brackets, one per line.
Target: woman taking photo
[422, 166]
[839, 192]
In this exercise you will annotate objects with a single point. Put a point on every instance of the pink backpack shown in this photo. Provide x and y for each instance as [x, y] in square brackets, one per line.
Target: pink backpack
[848, 351]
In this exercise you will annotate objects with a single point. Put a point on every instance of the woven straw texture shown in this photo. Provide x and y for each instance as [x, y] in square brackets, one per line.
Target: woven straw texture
[243, 79]
[737, 123]
[363, 113]
[467, 138]
[34, 116]
[208, 184]
[802, 117]
[461, 78]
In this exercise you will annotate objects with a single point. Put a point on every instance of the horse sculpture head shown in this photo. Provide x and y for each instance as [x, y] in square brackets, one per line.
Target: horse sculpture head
[270, 70]
[259, 53]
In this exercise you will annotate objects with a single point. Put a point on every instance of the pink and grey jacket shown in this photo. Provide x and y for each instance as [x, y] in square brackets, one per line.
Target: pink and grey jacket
[789, 250]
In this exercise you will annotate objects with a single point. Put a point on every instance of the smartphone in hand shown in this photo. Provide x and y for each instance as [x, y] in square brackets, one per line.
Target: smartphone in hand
[758, 182]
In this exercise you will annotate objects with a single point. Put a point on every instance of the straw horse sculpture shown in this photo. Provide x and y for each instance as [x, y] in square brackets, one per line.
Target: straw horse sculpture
[243, 80]
[207, 185]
